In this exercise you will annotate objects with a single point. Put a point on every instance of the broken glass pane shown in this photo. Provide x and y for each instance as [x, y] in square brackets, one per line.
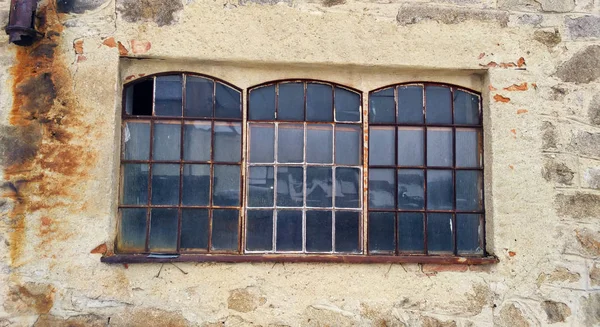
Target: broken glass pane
[139, 98]
[169, 95]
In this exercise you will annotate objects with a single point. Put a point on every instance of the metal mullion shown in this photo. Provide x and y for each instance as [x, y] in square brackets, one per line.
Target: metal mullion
[454, 227]
[181, 164]
[304, 167]
[333, 171]
[425, 204]
[190, 118]
[275, 172]
[396, 169]
[152, 123]
[244, 173]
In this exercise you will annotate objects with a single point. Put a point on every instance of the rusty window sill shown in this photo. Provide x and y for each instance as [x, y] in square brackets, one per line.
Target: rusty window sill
[359, 259]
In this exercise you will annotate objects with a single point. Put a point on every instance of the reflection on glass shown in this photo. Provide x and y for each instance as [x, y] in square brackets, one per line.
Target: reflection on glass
[410, 146]
[319, 102]
[227, 102]
[382, 232]
[410, 232]
[468, 234]
[290, 143]
[198, 97]
[289, 186]
[194, 229]
[165, 184]
[410, 189]
[467, 148]
[438, 105]
[381, 146]
[347, 105]
[262, 137]
[291, 101]
[225, 228]
[466, 108]
[382, 188]
[410, 104]
[289, 230]
[132, 236]
[348, 144]
[318, 231]
[382, 106]
[135, 184]
[319, 143]
[196, 185]
[137, 141]
[439, 232]
[228, 142]
[196, 141]
[259, 230]
[226, 185]
[468, 190]
[163, 230]
[318, 187]
[169, 95]
[347, 187]
[439, 147]
[260, 186]
[167, 138]
[346, 231]
[440, 190]
[262, 103]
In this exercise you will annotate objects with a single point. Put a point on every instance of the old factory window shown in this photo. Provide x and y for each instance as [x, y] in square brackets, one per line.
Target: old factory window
[202, 181]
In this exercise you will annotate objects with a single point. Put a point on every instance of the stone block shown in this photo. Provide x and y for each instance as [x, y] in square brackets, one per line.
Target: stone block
[583, 27]
[583, 67]
[589, 173]
[561, 169]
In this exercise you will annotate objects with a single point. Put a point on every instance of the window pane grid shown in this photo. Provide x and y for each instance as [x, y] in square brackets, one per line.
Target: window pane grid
[453, 127]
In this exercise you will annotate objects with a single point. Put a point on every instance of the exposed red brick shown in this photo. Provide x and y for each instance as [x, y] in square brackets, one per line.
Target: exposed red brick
[513, 132]
[110, 42]
[122, 49]
[500, 98]
[517, 87]
[521, 62]
[492, 88]
[512, 253]
[81, 58]
[481, 55]
[129, 78]
[100, 249]
[78, 46]
[522, 111]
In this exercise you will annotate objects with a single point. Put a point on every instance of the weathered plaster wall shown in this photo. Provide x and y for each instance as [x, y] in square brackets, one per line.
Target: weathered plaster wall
[536, 62]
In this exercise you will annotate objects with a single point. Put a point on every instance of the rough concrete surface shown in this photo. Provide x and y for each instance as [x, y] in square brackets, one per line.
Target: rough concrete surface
[536, 64]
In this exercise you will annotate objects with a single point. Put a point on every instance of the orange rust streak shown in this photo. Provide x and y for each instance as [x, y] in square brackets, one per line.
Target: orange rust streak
[500, 98]
[517, 87]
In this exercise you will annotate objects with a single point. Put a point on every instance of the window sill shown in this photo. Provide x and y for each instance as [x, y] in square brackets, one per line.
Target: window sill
[360, 259]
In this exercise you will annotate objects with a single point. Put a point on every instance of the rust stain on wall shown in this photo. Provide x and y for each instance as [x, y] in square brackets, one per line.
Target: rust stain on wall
[30, 298]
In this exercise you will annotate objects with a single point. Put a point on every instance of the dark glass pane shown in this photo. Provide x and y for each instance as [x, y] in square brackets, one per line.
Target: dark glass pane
[165, 184]
[169, 95]
[347, 105]
[468, 190]
[291, 101]
[410, 104]
[410, 189]
[225, 228]
[226, 185]
[410, 232]
[139, 97]
[346, 231]
[439, 108]
[136, 137]
[318, 187]
[228, 102]
[163, 230]
[382, 146]
[262, 138]
[467, 148]
[319, 102]
[290, 186]
[260, 186]
[440, 191]
[466, 108]
[167, 142]
[194, 229]
[199, 97]
[469, 234]
[196, 185]
[290, 141]
[319, 143]
[262, 103]
[132, 236]
[381, 232]
[439, 147]
[135, 184]
[439, 232]
[228, 142]
[196, 141]
[410, 146]
[382, 106]
[348, 144]
[259, 230]
[318, 231]
[347, 187]
[382, 188]
[289, 230]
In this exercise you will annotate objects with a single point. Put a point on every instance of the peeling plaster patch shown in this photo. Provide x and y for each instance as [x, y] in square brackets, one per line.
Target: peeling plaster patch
[89, 320]
[594, 110]
[548, 38]
[558, 172]
[556, 311]
[583, 27]
[510, 316]
[578, 205]
[78, 6]
[583, 67]
[415, 13]
[161, 12]
[591, 309]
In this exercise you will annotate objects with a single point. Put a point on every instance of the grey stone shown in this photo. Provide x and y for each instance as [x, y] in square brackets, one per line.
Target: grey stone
[583, 67]
[556, 311]
[537, 5]
[578, 205]
[592, 178]
[594, 110]
[558, 172]
[549, 136]
[415, 13]
[586, 143]
[78, 6]
[583, 27]
[161, 12]
[548, 38]
[530, 19]
[591, 309]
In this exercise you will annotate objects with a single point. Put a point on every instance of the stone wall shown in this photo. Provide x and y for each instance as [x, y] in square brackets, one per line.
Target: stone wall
[537, 64]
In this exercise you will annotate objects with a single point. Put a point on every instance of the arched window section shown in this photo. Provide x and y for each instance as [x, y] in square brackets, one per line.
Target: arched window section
[425, 171]
[304, 169]
[180, 165]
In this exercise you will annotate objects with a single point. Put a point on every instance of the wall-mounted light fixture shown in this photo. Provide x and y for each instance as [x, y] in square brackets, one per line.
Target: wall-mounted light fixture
[20, 28]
